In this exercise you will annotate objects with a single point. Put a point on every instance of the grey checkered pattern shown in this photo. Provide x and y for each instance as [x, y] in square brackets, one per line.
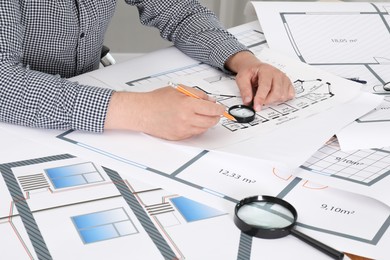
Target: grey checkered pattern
[43, 42]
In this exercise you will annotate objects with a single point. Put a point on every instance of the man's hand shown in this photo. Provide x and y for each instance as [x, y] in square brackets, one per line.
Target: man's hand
[259, 83]
[165, 113]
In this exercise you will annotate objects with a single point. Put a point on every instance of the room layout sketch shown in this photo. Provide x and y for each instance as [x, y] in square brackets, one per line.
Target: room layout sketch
[307, 94]
[108, 211]
[363, 167]
[73, 175]
[223, 179]
[342, 43]
[314, 43]
[103, 225]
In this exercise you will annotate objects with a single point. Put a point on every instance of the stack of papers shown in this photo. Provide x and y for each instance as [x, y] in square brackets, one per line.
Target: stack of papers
[326, 152]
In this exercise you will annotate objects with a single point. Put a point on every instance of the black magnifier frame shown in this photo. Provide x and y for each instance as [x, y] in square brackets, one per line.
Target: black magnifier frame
[386, 86]
[278, 232]
[242, 113]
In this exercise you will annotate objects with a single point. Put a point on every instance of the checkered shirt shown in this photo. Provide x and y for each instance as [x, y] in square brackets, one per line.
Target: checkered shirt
[44, 42]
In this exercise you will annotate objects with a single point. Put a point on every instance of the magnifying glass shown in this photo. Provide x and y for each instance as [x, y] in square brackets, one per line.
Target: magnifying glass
[386, 86]
[271, 217]
[242, 113]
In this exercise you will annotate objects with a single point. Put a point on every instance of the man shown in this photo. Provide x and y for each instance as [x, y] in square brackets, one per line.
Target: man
[44, 42]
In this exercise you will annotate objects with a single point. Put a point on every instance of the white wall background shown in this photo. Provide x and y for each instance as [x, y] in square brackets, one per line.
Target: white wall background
[126, 35]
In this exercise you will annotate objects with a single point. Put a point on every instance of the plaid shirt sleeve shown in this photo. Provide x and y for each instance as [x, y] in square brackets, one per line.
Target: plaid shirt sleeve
[193, 29]
[42, 43]
[40, 46]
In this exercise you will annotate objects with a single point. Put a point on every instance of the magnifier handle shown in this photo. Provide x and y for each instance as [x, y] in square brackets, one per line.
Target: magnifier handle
[335, 254]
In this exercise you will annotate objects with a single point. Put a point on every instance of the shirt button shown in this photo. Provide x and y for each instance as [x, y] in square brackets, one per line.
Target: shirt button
[82, 35]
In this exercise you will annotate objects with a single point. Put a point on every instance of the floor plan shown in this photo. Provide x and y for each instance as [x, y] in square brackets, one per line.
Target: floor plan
[136, 192]
[348, 39]
[366, 171]
[62, 199]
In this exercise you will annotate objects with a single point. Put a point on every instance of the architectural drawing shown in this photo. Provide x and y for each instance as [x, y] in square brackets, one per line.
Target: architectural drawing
[89, 205]
[365, 167]
[223, 88]
[97, 218]
[347, 39]
[105, 210]
[365, 171]
[307, 94]
[192, 175]
[314, 90]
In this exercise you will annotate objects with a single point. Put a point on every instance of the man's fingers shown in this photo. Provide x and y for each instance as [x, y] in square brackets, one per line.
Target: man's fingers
[263, 90]
[197, 92]
[245, 85]
[207, 108]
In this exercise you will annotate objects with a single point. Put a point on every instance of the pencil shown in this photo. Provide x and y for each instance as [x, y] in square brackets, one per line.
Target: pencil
[190, 94]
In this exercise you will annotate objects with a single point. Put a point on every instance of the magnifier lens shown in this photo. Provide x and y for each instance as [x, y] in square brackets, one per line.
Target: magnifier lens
[242, 113]
[266, 215]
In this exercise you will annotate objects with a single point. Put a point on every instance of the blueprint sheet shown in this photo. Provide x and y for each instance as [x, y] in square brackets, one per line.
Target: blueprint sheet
[348, 39]
[364, 171]
[55, 202]
[109, 174]
[320, 96]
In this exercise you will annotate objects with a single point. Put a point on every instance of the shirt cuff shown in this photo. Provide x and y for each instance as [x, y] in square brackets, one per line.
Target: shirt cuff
[224, 51]
[89, 112]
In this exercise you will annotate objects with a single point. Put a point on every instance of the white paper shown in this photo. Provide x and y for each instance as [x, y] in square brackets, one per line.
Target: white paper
[338, 37]
[332, 216]
[364, 171]
[215, 179]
